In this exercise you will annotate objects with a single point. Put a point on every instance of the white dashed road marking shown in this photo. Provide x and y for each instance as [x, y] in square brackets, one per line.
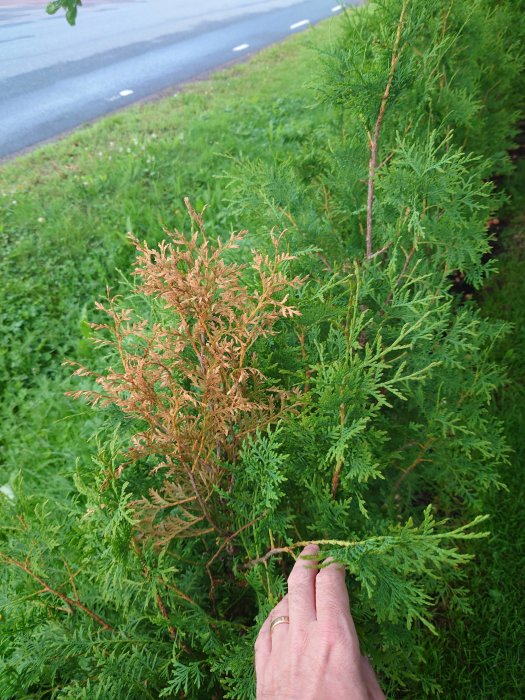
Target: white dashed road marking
[125, 93]
[302, 23]
[337, 8]
[241, 47]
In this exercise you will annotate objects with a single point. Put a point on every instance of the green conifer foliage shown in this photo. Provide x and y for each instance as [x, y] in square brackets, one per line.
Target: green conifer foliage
[324, 385]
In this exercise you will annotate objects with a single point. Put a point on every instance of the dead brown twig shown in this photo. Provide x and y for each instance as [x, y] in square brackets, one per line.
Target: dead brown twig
[418, 460]
[224, 544]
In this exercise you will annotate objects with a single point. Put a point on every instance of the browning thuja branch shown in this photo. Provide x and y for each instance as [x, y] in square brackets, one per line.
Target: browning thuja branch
[189, 373]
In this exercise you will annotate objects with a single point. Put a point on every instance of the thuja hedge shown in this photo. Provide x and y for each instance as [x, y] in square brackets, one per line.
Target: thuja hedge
[273, 387]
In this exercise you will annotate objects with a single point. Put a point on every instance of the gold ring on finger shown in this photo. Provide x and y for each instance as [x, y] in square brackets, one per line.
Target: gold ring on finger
[281, 620]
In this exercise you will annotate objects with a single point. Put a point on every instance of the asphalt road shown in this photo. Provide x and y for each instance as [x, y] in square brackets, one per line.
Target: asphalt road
[54, 77]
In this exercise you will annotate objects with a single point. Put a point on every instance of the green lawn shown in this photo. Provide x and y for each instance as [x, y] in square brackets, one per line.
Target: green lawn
[64, 213]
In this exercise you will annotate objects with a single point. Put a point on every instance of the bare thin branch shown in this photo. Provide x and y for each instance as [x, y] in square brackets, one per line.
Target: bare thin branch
[418, 460]
[374, 141]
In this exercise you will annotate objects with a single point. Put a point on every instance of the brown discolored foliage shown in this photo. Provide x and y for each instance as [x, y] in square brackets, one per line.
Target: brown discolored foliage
[191, 378]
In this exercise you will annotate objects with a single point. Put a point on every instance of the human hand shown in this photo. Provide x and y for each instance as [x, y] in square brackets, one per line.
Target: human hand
[315, 654]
